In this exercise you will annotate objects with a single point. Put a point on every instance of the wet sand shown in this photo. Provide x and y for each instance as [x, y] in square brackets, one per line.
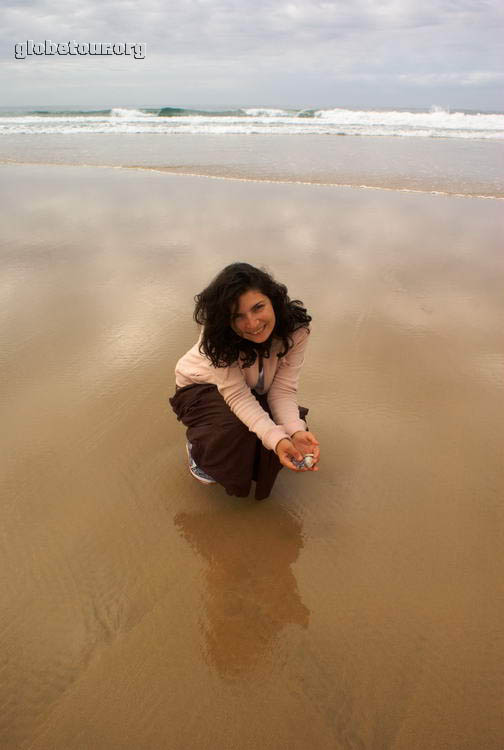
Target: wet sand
[359, 607]
[444, 165]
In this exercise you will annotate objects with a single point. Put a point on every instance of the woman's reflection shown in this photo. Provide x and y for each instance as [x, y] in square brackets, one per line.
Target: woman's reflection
[252, 592]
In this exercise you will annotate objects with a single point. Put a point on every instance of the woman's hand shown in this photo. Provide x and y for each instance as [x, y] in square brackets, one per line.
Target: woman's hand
[287, 450]
[306, 442]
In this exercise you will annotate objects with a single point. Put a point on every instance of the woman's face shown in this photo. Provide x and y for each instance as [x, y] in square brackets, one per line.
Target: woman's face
[253, 317]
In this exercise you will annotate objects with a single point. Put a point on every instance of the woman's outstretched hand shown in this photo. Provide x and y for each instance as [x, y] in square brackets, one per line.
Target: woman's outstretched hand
[296, 448]
[286, 451]
[306, 442]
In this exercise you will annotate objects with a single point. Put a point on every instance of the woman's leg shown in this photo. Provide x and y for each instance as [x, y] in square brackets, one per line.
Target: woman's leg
[222, 445]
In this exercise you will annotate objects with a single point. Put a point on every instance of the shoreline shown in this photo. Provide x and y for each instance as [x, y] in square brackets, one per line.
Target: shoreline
[466, 168]
[176, 171]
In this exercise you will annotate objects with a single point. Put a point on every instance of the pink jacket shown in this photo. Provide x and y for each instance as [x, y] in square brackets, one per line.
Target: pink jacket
[281, 377]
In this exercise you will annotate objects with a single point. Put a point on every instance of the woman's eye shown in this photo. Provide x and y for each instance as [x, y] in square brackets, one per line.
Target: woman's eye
[236, 316]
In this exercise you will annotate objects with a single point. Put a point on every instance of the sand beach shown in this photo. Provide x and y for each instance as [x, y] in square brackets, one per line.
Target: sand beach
[359, 607]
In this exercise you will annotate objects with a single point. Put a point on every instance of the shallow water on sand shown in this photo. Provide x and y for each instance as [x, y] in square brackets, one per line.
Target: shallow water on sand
[359, 607]
[450, 166]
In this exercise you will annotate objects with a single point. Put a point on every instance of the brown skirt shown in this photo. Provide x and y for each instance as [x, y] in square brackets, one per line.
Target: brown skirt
[222, 445]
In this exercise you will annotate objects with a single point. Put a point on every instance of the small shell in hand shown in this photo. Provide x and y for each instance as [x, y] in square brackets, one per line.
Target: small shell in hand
[306, 462]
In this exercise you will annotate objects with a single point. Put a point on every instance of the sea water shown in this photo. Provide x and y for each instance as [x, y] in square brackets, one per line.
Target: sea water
[460, 152]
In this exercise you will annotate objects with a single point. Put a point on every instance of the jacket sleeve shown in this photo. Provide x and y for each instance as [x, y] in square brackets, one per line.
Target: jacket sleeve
[282, 394]
[236, 393]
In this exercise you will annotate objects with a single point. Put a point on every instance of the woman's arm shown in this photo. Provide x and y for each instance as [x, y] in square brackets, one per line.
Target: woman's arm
[194, 367]
[236, 393]
[282, 394]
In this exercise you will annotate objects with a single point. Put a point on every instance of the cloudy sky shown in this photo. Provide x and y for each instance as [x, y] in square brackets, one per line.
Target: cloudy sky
[304, 53]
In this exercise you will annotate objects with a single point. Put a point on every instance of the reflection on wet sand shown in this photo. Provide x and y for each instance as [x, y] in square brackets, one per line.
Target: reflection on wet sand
[251, 592]
[359, 607]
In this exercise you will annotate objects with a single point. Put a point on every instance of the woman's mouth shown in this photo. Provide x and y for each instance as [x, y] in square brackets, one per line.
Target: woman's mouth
[256, 333]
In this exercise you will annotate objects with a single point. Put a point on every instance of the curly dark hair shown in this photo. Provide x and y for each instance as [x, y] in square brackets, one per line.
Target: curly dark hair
[215, 306]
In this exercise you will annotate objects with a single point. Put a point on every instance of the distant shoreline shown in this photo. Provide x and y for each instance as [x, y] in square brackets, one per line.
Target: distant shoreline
[174, 171]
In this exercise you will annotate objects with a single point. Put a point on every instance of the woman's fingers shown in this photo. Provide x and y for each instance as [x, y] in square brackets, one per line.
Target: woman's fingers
[315, 449]
[286, 451]
[288, 457]
[306, 442]
[312, 439]
[296, 449]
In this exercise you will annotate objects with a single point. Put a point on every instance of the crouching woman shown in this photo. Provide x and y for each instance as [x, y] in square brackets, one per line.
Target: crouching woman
[236, 389]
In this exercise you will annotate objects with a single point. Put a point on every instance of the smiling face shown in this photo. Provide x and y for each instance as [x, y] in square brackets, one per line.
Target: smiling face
[253, 317]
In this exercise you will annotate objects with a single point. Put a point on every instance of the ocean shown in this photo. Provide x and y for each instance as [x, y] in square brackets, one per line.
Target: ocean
[436, 150]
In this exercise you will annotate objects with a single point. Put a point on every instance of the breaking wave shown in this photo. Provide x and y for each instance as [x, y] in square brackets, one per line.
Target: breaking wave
[433, 123]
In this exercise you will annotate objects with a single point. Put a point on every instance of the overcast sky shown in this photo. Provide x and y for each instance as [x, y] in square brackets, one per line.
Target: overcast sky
[304, 53]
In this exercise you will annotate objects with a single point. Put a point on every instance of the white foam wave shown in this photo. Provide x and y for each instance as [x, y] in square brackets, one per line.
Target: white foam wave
[266, 112]
[437, 118]
[436, 123]
[129, 114]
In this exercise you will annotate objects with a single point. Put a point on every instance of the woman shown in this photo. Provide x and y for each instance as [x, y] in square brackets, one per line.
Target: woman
[237, 386]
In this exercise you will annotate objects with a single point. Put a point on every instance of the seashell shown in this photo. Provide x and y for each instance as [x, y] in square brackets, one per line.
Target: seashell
[307, 461]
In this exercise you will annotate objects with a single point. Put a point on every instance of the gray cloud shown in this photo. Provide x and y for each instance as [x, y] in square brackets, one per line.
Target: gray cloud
[293, 52]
